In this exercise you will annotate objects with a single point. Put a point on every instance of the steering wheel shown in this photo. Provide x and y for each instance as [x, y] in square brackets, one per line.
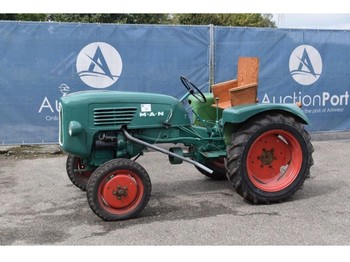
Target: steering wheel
[193, 90]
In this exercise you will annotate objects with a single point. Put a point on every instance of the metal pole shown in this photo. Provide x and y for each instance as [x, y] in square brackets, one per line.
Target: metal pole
[128, 136]
[211, 55]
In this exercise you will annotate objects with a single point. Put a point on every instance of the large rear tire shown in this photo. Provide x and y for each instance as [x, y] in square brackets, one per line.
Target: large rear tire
[269, 158]
[119, 189]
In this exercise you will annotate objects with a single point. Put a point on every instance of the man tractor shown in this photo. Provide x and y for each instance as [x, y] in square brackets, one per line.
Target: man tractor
[262, 149]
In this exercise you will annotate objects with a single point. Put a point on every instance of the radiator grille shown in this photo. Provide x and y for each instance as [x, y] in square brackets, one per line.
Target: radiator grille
[113, 116]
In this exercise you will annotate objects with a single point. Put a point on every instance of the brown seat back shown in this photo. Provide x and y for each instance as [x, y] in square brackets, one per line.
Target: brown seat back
[247, 70]
[242, 90]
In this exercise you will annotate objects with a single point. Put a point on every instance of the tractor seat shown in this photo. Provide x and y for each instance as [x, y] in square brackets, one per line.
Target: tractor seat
[242, 90]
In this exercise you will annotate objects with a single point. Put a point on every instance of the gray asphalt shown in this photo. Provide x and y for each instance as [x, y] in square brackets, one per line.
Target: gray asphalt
[40, 206]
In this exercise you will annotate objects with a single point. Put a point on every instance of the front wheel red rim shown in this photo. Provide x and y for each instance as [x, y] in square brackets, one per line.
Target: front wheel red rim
[120, 192]
[79, 170]
[274, 160]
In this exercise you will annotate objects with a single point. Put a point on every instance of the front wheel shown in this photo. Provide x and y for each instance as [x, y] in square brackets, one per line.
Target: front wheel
[118, 190]
[269, 158]
[77, 172]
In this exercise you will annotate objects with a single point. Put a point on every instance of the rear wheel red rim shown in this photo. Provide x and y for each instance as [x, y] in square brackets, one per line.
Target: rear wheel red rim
[274, 160]
[120, 192]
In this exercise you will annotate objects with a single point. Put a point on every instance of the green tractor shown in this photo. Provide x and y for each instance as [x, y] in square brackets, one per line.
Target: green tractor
[262, 149]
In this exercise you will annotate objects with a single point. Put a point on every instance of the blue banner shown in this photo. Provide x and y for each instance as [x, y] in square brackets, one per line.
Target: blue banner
[308, 66]
[39, 62]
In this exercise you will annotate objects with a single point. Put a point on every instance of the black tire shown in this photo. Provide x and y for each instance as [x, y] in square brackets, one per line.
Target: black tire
[77, 177]
[218, 166]
[119, 189]
[266, 143]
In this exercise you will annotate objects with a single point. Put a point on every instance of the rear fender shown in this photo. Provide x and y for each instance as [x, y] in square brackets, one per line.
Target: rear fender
[234, 117]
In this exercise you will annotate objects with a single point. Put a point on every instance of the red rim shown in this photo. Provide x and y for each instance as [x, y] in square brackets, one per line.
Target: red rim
[274, 160]
[120, 192]
[83, 175]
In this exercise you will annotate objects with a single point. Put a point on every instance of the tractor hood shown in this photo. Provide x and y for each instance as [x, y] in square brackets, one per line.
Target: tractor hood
[106, 109]
[116, 97]
[84, 114]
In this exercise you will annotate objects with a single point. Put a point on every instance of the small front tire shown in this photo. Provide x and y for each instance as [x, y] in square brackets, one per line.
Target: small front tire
[76, 172]
[119, 189]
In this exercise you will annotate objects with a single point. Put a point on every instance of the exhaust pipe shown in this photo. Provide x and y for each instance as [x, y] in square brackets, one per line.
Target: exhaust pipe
[138, 141]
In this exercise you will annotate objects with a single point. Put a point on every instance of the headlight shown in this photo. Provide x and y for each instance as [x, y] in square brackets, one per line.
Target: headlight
[75, 128]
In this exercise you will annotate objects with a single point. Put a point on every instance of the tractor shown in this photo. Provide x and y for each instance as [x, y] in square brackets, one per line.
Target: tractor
[263, 150]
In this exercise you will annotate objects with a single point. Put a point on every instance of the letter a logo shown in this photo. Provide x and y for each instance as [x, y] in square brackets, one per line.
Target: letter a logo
[99, 65]
[305, 65]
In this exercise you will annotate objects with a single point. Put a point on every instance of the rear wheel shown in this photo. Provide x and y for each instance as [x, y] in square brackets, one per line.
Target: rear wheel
[119, 189]
[77, 173]
[269, 158]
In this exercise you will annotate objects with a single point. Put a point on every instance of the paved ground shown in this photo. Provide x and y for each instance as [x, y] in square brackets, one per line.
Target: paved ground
[39, 206]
